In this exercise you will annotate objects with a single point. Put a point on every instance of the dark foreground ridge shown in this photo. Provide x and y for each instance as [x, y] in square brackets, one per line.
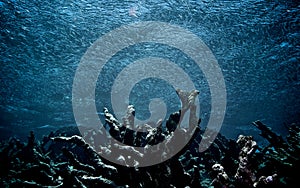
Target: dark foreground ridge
[66, 158]
[63, 159]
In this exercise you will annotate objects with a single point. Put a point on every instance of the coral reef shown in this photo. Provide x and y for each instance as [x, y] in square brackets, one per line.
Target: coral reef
[221, 178]
[244, 174]
[64, 159]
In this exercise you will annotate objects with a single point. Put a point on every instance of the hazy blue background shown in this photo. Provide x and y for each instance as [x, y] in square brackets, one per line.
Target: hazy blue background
[256, 44]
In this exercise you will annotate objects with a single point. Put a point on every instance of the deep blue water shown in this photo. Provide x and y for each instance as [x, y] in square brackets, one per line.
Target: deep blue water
[256, 43]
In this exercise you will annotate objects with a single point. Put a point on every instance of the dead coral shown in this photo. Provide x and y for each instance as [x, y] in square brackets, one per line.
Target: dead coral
[65, 159]
[221, 178]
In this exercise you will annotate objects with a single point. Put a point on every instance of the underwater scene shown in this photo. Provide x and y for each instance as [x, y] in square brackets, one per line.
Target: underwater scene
[150, 93]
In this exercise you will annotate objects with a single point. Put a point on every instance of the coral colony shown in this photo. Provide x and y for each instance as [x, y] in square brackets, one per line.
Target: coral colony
[64, 159]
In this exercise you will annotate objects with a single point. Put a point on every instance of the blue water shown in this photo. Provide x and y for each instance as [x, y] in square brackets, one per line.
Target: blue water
[256, 44]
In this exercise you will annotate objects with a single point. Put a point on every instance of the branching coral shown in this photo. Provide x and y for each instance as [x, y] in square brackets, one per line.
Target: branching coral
[63, 159]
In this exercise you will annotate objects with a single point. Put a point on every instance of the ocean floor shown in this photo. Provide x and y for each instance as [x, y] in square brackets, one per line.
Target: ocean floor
[64, 159]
